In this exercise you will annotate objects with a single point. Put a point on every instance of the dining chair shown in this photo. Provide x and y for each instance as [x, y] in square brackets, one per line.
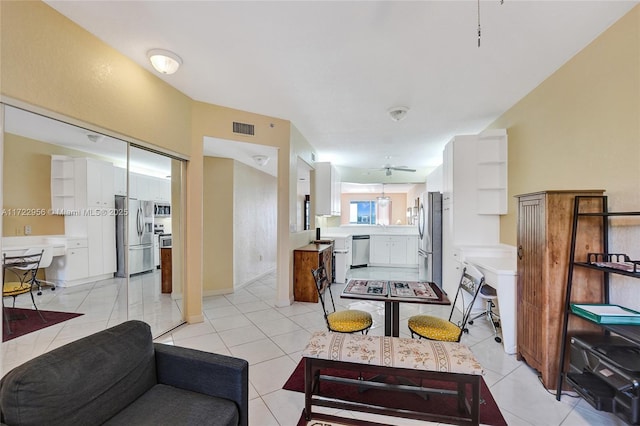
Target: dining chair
[18, 277]
[436, 328]
[346, 321]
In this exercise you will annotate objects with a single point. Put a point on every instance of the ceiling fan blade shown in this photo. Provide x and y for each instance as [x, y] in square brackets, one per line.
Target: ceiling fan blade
[402, 169]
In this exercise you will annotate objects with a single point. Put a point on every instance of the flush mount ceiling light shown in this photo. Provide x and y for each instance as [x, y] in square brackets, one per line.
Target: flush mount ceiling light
[163, 61]
[398, 113]
[261, 160]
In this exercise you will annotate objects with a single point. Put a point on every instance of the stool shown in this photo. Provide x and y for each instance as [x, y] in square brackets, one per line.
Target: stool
[489, 294]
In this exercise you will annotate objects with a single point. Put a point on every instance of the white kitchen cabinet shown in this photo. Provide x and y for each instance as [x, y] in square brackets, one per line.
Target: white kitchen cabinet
[328, 190]
[469, 214]
[413, 243]
[62, 183]
[74, 265]
[119, 181]
[393, 250]
[159, 189]
[151, 188]
[89, 222]
[94, 183]
[79, 183]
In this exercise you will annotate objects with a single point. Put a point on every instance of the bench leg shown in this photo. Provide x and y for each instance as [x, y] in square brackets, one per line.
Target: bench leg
[311, 385]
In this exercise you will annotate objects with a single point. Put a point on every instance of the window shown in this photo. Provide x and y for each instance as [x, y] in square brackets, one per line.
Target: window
[362, 212]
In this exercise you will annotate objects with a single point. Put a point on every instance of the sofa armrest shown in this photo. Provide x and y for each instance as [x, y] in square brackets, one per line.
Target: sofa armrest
[208, 373]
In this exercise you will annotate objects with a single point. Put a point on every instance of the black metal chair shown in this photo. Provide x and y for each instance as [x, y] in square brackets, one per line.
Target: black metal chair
[19, 277]
[435, 328]
[347, 321]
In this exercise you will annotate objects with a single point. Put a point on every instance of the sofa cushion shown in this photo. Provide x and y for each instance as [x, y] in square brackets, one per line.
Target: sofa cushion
[166, 405]
[84, 382]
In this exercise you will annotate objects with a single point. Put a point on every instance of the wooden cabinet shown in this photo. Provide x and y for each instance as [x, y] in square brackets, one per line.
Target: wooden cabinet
[544, 240]
[328, 190]
[304, 260]
[166, 270]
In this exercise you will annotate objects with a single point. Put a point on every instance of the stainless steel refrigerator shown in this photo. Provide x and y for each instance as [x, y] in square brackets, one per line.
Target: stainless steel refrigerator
[430, 232]
[137, 225]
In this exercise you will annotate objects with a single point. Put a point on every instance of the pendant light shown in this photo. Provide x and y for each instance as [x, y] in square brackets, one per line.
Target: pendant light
[382, 199]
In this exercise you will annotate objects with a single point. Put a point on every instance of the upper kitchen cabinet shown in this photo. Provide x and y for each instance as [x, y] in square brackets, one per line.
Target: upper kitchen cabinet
[474, 194]
[78, 183]
[475, 169]
[491, 172]
[328, 190]
[143, 187]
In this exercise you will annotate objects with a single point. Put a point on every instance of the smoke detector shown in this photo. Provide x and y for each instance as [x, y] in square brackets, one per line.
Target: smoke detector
[261, 160]
[398, 113]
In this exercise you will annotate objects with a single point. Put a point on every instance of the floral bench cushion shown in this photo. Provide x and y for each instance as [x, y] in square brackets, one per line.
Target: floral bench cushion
[398, 352]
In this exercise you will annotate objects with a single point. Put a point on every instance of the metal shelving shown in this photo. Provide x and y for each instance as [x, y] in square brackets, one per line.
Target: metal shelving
[629, 332]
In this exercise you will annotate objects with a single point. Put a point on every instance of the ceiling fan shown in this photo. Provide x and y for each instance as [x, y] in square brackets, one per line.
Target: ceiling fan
[389, 168]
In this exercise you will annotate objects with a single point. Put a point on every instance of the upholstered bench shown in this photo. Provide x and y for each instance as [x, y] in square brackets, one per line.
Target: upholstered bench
[409, 360]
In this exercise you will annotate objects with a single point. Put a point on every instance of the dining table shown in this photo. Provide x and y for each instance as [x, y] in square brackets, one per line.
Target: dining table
[392, 293]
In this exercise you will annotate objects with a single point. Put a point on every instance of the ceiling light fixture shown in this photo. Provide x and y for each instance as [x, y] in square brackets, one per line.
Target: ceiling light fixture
[163, 61]
[398, 113]
[95, 138]
[260, 160]
[382, 199]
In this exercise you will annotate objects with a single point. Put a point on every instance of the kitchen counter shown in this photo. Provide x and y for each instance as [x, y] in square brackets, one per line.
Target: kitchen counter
[350, 230]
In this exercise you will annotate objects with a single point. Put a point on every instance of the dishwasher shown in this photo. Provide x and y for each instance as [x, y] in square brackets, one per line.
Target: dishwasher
[360, 248]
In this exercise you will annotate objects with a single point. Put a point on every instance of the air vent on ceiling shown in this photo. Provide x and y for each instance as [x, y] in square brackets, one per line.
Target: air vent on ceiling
[244, 128]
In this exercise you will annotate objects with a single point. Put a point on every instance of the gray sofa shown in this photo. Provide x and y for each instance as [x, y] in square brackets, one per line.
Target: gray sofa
[120, 377]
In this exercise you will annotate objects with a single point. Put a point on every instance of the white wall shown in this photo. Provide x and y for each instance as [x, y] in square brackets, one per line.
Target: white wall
[254, 223]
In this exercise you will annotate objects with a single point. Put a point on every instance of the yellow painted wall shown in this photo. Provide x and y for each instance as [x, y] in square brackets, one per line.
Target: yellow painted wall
[49, 61]
[27, 185]
[580, 128]
[217, 230]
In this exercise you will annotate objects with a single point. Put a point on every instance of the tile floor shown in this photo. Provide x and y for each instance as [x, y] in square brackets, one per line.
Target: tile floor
[246, 324]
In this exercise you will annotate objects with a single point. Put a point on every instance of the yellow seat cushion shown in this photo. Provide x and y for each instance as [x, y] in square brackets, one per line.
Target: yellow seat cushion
[434, 328]
[15, 288]
[349, 321]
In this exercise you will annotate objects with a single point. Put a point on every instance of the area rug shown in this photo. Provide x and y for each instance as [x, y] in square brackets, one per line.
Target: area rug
[489, 412]
[28, 321]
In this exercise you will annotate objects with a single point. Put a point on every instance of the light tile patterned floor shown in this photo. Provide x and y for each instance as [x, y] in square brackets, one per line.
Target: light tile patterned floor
[247, 324]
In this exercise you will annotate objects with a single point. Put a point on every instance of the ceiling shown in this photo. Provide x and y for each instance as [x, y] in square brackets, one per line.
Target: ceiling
[44, 129]
[335, 68]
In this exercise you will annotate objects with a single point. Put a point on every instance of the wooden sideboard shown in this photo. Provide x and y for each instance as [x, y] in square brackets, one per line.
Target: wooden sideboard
[305, 259]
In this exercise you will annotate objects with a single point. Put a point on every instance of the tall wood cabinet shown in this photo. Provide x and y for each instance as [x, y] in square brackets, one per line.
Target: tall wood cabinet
[304, 260]
[544, 243]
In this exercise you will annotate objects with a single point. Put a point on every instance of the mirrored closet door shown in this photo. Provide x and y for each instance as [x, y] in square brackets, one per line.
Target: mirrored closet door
[106, 210]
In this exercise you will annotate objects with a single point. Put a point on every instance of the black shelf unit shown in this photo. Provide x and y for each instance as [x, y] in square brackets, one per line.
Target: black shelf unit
[628, 332]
